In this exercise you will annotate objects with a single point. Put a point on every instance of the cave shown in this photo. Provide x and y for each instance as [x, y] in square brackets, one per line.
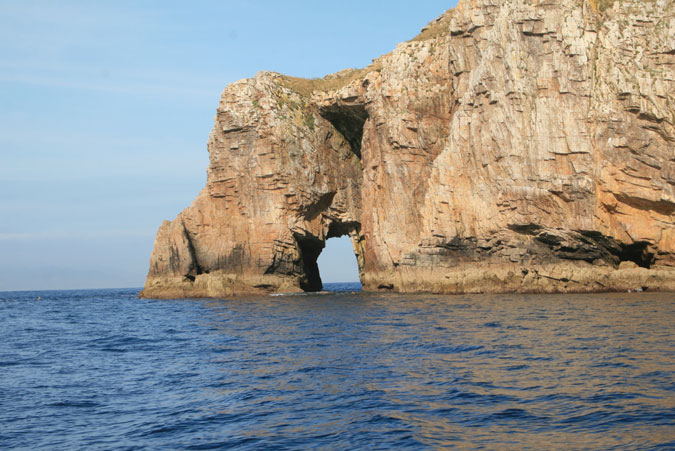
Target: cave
[348, 120]
[310, 247]
[637, 253]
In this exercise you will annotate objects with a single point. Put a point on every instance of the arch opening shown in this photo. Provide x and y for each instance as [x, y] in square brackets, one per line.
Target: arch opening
[340, 256]
[338, 263]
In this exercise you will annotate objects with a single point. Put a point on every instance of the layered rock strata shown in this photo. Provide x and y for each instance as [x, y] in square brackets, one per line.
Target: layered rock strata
[516, 145]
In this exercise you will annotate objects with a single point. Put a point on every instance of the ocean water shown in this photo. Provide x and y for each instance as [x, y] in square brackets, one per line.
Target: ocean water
[101, 369]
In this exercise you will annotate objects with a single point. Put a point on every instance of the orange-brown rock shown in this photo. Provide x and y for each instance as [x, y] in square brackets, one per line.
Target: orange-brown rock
[517, 145]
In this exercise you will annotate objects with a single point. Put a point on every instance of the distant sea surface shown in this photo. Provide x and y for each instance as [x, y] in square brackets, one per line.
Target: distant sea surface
[102, 369]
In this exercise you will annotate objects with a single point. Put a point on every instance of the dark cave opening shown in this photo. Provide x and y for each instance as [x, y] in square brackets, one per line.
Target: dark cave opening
[310, 248]
[348, 120]
[637, 253]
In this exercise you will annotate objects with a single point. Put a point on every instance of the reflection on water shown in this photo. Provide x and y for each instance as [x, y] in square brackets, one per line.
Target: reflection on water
[339, 371]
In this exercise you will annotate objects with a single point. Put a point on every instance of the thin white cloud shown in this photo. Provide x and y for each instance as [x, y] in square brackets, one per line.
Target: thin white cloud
[131, 89]
[35, 19]
[74, 75]
[70, 235]
[76, 45]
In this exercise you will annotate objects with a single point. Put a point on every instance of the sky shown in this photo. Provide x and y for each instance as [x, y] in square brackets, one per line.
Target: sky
[106, 108]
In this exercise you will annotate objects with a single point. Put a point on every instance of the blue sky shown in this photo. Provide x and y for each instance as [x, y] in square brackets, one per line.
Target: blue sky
[106, 107]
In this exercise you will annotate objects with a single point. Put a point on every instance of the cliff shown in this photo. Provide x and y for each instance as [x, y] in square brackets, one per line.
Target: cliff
[517, 145]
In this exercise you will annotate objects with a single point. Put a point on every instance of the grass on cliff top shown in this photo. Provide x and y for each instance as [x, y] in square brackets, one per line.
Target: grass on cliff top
[305, 86]
[332, 82]
[436, 28]
[599, 6]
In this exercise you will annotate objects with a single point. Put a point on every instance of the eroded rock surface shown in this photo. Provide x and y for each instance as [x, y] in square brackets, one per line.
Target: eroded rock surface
[515, 145]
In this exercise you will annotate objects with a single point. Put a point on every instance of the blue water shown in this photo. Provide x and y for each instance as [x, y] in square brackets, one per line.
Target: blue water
[101, 369]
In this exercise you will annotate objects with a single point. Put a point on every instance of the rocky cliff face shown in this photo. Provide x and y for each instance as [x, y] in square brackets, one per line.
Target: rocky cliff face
[514, 145]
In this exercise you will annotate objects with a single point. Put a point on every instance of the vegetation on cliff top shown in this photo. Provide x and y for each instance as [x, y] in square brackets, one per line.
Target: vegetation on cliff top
[600, 6]
[305, 86]
[436, 28]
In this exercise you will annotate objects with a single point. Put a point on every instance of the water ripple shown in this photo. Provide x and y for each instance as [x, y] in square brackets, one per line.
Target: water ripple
[101, 369]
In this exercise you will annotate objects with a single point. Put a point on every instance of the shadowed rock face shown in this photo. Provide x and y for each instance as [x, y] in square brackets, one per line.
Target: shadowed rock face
[512, 146]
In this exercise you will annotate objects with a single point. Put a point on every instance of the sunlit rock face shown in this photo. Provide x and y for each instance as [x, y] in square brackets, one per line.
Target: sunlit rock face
[514, 145]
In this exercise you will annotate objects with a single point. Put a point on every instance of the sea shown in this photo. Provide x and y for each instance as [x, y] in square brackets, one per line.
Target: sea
[346, 369]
